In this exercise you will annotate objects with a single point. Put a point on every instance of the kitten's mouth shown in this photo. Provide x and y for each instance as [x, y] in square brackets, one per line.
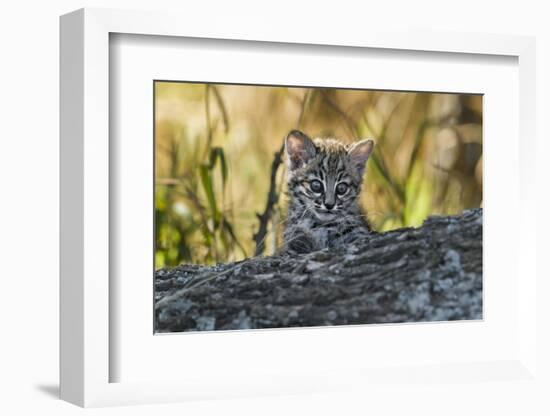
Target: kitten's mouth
[325, 215]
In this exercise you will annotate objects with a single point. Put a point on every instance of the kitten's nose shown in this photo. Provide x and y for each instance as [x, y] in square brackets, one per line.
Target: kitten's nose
[329, 205]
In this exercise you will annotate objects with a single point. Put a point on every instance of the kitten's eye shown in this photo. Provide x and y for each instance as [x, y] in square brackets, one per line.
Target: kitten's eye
[341, 188]
[316, 186]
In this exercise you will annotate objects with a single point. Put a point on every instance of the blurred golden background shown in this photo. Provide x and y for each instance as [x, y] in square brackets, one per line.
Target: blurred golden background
[215, 145]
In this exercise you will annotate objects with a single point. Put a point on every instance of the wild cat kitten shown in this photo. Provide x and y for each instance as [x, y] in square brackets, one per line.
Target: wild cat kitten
[324, 182]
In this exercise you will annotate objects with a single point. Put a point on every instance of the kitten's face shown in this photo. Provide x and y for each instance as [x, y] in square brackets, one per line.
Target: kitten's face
[325, 176]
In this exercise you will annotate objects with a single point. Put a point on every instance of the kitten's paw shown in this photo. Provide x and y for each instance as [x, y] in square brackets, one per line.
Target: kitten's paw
[300, 244]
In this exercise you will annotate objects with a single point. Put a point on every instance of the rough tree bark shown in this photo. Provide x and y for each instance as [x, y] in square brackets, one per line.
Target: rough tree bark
[430, 273]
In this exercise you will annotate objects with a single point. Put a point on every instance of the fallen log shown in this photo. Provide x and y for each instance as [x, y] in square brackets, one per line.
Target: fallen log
[430, 273]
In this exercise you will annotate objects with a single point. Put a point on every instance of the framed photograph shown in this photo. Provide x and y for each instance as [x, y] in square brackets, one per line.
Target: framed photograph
[315, 243]
[282, 213]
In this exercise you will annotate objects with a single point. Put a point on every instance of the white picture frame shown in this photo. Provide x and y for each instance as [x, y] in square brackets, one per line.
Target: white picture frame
[85, 353]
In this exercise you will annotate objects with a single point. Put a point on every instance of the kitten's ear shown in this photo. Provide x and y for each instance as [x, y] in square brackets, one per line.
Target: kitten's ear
[359, 153]
[299, 149]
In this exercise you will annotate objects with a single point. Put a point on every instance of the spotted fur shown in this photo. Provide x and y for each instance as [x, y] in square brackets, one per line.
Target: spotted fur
[324, 183]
